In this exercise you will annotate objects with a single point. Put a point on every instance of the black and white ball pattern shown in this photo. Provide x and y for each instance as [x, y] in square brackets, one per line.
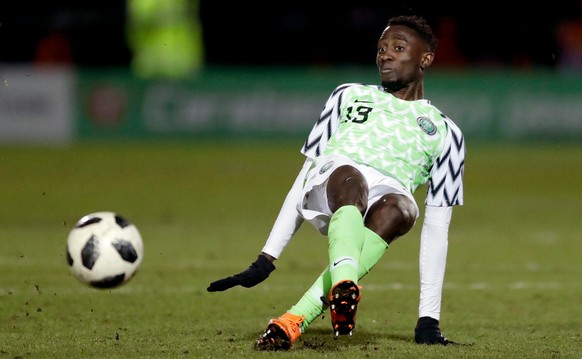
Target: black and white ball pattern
[104, 249]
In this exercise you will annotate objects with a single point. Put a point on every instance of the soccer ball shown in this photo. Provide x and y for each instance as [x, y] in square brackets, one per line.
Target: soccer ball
[104, 250]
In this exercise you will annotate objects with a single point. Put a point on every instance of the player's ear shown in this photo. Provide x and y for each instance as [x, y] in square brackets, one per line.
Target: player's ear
[426, 60]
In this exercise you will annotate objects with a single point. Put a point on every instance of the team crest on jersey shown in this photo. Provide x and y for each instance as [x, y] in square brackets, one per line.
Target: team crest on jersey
[426, 125]
[325, 167]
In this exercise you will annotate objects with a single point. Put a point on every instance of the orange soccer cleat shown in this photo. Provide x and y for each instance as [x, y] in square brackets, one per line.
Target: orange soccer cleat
[281, 333]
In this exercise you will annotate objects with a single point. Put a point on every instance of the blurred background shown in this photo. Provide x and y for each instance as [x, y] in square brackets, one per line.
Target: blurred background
[185, 68]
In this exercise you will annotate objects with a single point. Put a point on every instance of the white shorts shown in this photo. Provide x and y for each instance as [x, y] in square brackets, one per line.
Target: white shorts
[313, 205]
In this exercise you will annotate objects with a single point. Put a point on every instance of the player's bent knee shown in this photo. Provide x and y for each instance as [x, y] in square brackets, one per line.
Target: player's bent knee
[392, 216]
[407, 212]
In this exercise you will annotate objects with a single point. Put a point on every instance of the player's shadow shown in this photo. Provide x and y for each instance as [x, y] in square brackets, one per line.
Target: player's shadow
[323, 340]
[319, 339]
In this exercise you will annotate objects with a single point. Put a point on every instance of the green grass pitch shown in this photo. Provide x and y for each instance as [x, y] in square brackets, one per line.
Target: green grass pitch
[513, 282]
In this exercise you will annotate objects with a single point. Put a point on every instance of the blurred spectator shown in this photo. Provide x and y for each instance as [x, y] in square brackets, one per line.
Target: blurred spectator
[448, 54]
[569, 40]
[165, 37]
[54, 49]
[54, 46]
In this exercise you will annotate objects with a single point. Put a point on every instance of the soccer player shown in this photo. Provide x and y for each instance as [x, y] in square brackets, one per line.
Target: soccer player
[371, 148]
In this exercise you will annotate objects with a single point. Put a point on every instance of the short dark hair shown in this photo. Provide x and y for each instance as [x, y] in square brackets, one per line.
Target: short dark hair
[418, 24]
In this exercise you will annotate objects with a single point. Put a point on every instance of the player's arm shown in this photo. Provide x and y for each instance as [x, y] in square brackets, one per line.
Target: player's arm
[432, 264]
[288, 221]
[445, 190]
[286, 225]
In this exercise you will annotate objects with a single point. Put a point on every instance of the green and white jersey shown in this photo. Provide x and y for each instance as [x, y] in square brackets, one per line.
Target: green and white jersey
[411, 141]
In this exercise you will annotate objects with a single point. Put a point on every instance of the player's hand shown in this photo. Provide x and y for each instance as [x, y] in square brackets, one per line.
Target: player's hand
[427, 331]
[253, 275]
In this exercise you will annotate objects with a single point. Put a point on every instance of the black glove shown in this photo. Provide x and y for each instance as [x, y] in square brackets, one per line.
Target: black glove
[253, 275]
[427, 332]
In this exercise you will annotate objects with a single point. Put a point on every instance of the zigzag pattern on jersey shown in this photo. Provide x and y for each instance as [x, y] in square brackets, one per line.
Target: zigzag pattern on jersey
[326, 124]
[445, 187]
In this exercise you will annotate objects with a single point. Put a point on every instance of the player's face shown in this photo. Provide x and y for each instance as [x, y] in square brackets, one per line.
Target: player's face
[400, 57]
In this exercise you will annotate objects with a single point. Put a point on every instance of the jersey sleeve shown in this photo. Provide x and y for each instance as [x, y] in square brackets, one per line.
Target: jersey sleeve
[326, 125]
[288, 221]
[445, 185]
[432, 259]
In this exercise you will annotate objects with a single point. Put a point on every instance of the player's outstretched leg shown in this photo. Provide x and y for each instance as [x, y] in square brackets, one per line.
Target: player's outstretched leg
[281, 333]
[343, 305]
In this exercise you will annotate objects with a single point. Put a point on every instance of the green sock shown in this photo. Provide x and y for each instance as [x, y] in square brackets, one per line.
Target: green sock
[373, 249]
[310, 304]
[346, 238]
